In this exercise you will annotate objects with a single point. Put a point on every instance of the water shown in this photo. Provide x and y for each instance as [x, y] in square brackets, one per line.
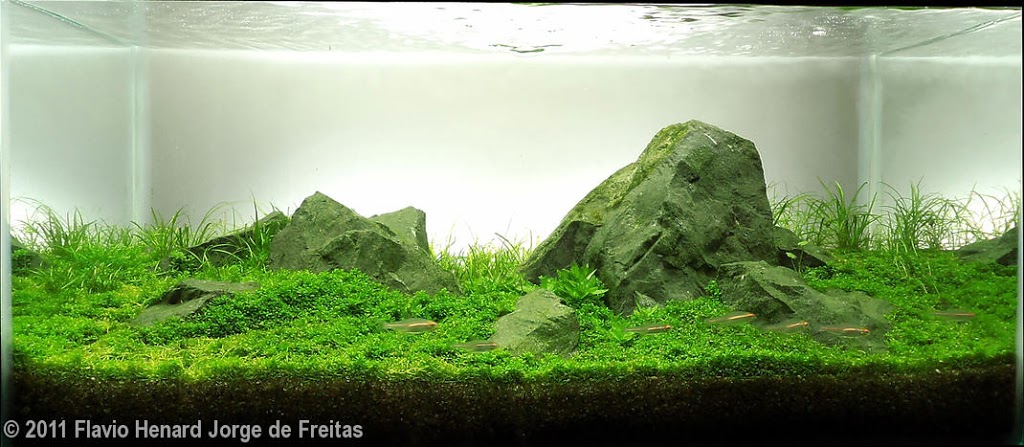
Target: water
[321, 95]
[494, 119]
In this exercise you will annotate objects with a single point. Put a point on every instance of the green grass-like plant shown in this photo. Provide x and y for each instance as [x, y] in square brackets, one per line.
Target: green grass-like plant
[484, 269]
[843, 223]
[997, 215]
[174, 235]
[787, 211]
[905, 224]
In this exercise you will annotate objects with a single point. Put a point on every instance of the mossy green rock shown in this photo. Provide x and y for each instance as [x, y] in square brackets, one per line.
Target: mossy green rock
[540, 324]
[1001, 250]
[324, 235]
[661, 226]
[779, 294]
[186, 298]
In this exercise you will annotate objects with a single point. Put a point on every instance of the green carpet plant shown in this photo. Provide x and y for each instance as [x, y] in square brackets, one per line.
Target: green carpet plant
[72, 313]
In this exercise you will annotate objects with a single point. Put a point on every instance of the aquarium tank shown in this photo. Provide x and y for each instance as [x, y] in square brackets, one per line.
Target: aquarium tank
[273, 223]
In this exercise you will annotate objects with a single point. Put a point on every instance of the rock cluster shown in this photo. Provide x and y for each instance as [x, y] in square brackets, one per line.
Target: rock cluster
[391, 248]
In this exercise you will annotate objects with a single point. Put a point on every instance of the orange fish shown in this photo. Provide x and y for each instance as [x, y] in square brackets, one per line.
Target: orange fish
[650, 328]
[412, 325]
[736, 317]
[789, 327]
[955, 315]
[477, 345]
[846, 330]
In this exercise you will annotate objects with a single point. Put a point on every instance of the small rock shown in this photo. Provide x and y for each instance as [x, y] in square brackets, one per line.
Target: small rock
[186, 298]
[1001, 250]
[779, 294]
[540, 324]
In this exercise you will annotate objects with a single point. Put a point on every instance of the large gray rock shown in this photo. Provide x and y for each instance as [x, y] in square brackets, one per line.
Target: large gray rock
[661, 226]
[1002, 250]
[186, 298]
[324, 235]
[229, 248]
[778, 295]
[540, 324]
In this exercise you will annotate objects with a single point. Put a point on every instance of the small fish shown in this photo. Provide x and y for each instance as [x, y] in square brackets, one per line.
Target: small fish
[955, 315]
[846, 330]
[736, 317]
[650, 328]
[412, 325]
[477, 345]
[789, 326]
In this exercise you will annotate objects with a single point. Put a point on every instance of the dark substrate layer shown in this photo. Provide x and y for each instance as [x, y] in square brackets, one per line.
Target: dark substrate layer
[937, 407]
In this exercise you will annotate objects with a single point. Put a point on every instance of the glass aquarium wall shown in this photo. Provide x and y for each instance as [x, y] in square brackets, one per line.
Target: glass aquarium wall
[71, 123]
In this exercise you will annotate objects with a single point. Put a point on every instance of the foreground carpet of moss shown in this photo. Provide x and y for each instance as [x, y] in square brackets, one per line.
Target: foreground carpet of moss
[313, 344]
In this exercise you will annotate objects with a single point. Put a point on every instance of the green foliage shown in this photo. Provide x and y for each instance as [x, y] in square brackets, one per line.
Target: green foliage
[576, 285]
[165, 237]
[918, 221]
[257, 247]
[833, 222]
[984, 216]
[80, 255]
[712, 290]
[485, 269]
[842, 223]
[71, 316]
[249, 248]
[987, 290]
[786, 210]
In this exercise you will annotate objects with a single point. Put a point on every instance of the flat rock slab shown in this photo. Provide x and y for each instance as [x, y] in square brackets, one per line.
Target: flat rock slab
[1001, 250]
[540, 324]
[186, 298]
[779, 294]
[661, 226]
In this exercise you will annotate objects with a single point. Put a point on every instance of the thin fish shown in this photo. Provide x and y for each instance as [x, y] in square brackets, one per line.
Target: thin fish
[955, 315]
[477, 345]
[846, 330]
[412, 325]
[792, 326]
[739, 316]
[650, 328]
